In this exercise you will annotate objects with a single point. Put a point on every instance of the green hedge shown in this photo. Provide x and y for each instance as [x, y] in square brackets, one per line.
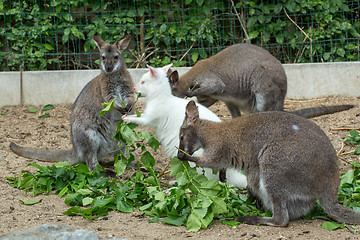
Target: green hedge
[56, 34]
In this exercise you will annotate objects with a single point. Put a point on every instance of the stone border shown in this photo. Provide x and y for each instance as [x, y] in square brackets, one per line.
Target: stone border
[62, 87]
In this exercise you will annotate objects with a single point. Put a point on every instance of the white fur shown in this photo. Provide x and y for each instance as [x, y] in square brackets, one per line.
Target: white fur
[165, 113]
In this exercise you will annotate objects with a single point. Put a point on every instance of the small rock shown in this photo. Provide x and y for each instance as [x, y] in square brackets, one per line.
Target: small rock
[53, 231]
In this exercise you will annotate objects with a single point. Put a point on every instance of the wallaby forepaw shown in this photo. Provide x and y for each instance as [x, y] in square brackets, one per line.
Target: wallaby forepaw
[125, 118]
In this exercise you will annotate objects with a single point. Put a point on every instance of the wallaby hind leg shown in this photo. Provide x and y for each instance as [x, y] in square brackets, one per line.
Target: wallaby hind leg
[234, 110]
[86, 147]
[267, 102]
[280, 215]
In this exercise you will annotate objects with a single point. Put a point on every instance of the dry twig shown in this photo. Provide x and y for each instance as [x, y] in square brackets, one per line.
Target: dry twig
[344, 128]
[306, 35]
[241, 22]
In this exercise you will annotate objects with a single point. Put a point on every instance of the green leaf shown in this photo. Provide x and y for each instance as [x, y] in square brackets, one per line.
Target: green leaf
[63, 164]
[195, 56]
[176, 166]
[147, 159]
[340, 52]
[44, 115]
[87, 201]
[175, 220]
[162, 28]
[200, 2]
[73, 211]
[231, 223]
[193, 223]
[219, 205]
[31, 202]
[153, 143]
[128, 134]
[347, 177]
[332, 225]
[120, 167]
[353, 133]
[182, 178]
[108, 107]
[124, 207]
[32, 110]
[47, 107]
[63, 191]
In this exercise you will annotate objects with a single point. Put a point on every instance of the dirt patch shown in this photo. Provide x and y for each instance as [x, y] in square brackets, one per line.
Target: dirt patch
[24, 128]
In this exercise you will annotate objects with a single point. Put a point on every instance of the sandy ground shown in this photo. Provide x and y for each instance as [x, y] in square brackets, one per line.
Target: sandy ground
[24, 128]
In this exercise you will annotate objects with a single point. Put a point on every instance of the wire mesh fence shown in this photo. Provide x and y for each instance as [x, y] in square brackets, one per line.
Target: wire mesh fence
[56, 34]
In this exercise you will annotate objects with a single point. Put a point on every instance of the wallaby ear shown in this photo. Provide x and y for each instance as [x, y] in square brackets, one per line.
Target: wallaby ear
[166, 68]
[191, 113]
[123, 43]
[98, 42]
[152, 71]
[173, 78]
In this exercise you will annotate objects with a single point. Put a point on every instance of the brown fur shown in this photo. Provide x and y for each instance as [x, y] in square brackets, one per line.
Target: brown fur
[289, 161]
[245, 77]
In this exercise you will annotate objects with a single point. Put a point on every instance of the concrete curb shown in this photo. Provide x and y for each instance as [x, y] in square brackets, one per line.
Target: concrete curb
[62, 87]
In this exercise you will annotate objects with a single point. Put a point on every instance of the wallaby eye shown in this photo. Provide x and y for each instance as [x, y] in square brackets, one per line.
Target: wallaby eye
[116, 57]
[142, 82]
[102, 58]
[181, 137]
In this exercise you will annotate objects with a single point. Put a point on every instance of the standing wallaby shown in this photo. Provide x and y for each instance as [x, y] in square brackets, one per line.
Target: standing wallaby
[288, 160]
[91, 135]
[165, 113]
[246, 78]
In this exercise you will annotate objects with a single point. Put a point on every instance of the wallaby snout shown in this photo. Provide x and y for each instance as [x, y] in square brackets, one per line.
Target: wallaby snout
[109, 68]
[180, 155]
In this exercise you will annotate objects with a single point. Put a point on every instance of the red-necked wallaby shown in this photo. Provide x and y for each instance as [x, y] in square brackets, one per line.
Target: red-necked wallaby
[246, 78]
[91, 135]
[289, 161]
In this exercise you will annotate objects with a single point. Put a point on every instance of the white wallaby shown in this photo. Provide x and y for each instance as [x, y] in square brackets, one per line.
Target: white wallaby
[165, 114]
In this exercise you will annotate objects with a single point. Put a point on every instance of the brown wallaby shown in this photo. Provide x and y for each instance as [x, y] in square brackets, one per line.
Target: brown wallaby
[246, 78]
[289, 161]
[91, 135]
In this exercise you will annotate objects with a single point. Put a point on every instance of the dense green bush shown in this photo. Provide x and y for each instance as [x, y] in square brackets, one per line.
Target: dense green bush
[40, 35]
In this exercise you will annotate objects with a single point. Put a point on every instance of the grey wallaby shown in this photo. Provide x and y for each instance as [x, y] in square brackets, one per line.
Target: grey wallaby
[245, 77]
[288, 160]
[91, 135]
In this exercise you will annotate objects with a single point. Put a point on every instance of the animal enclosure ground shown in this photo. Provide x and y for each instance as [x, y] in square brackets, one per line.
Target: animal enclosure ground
[25, 128]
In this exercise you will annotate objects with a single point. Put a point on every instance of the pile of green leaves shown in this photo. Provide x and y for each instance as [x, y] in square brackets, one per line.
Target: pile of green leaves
[193, 201]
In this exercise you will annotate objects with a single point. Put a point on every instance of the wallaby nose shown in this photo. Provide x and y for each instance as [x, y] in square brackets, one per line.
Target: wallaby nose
[109, 68]
[180, 155]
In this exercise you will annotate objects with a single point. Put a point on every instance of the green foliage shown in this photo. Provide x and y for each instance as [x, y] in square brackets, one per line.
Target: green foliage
[57, 34]
[354, 139]
[193, 201]
[325, 35]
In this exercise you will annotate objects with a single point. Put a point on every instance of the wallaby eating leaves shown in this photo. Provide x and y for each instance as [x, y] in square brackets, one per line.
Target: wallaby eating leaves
[289, 161]
[91, 135]
[165, 113]
[246, 78]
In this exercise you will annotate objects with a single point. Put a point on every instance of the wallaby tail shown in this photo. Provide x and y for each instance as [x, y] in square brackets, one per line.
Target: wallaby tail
[339, 212]
[45, 154]
[318, 111]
